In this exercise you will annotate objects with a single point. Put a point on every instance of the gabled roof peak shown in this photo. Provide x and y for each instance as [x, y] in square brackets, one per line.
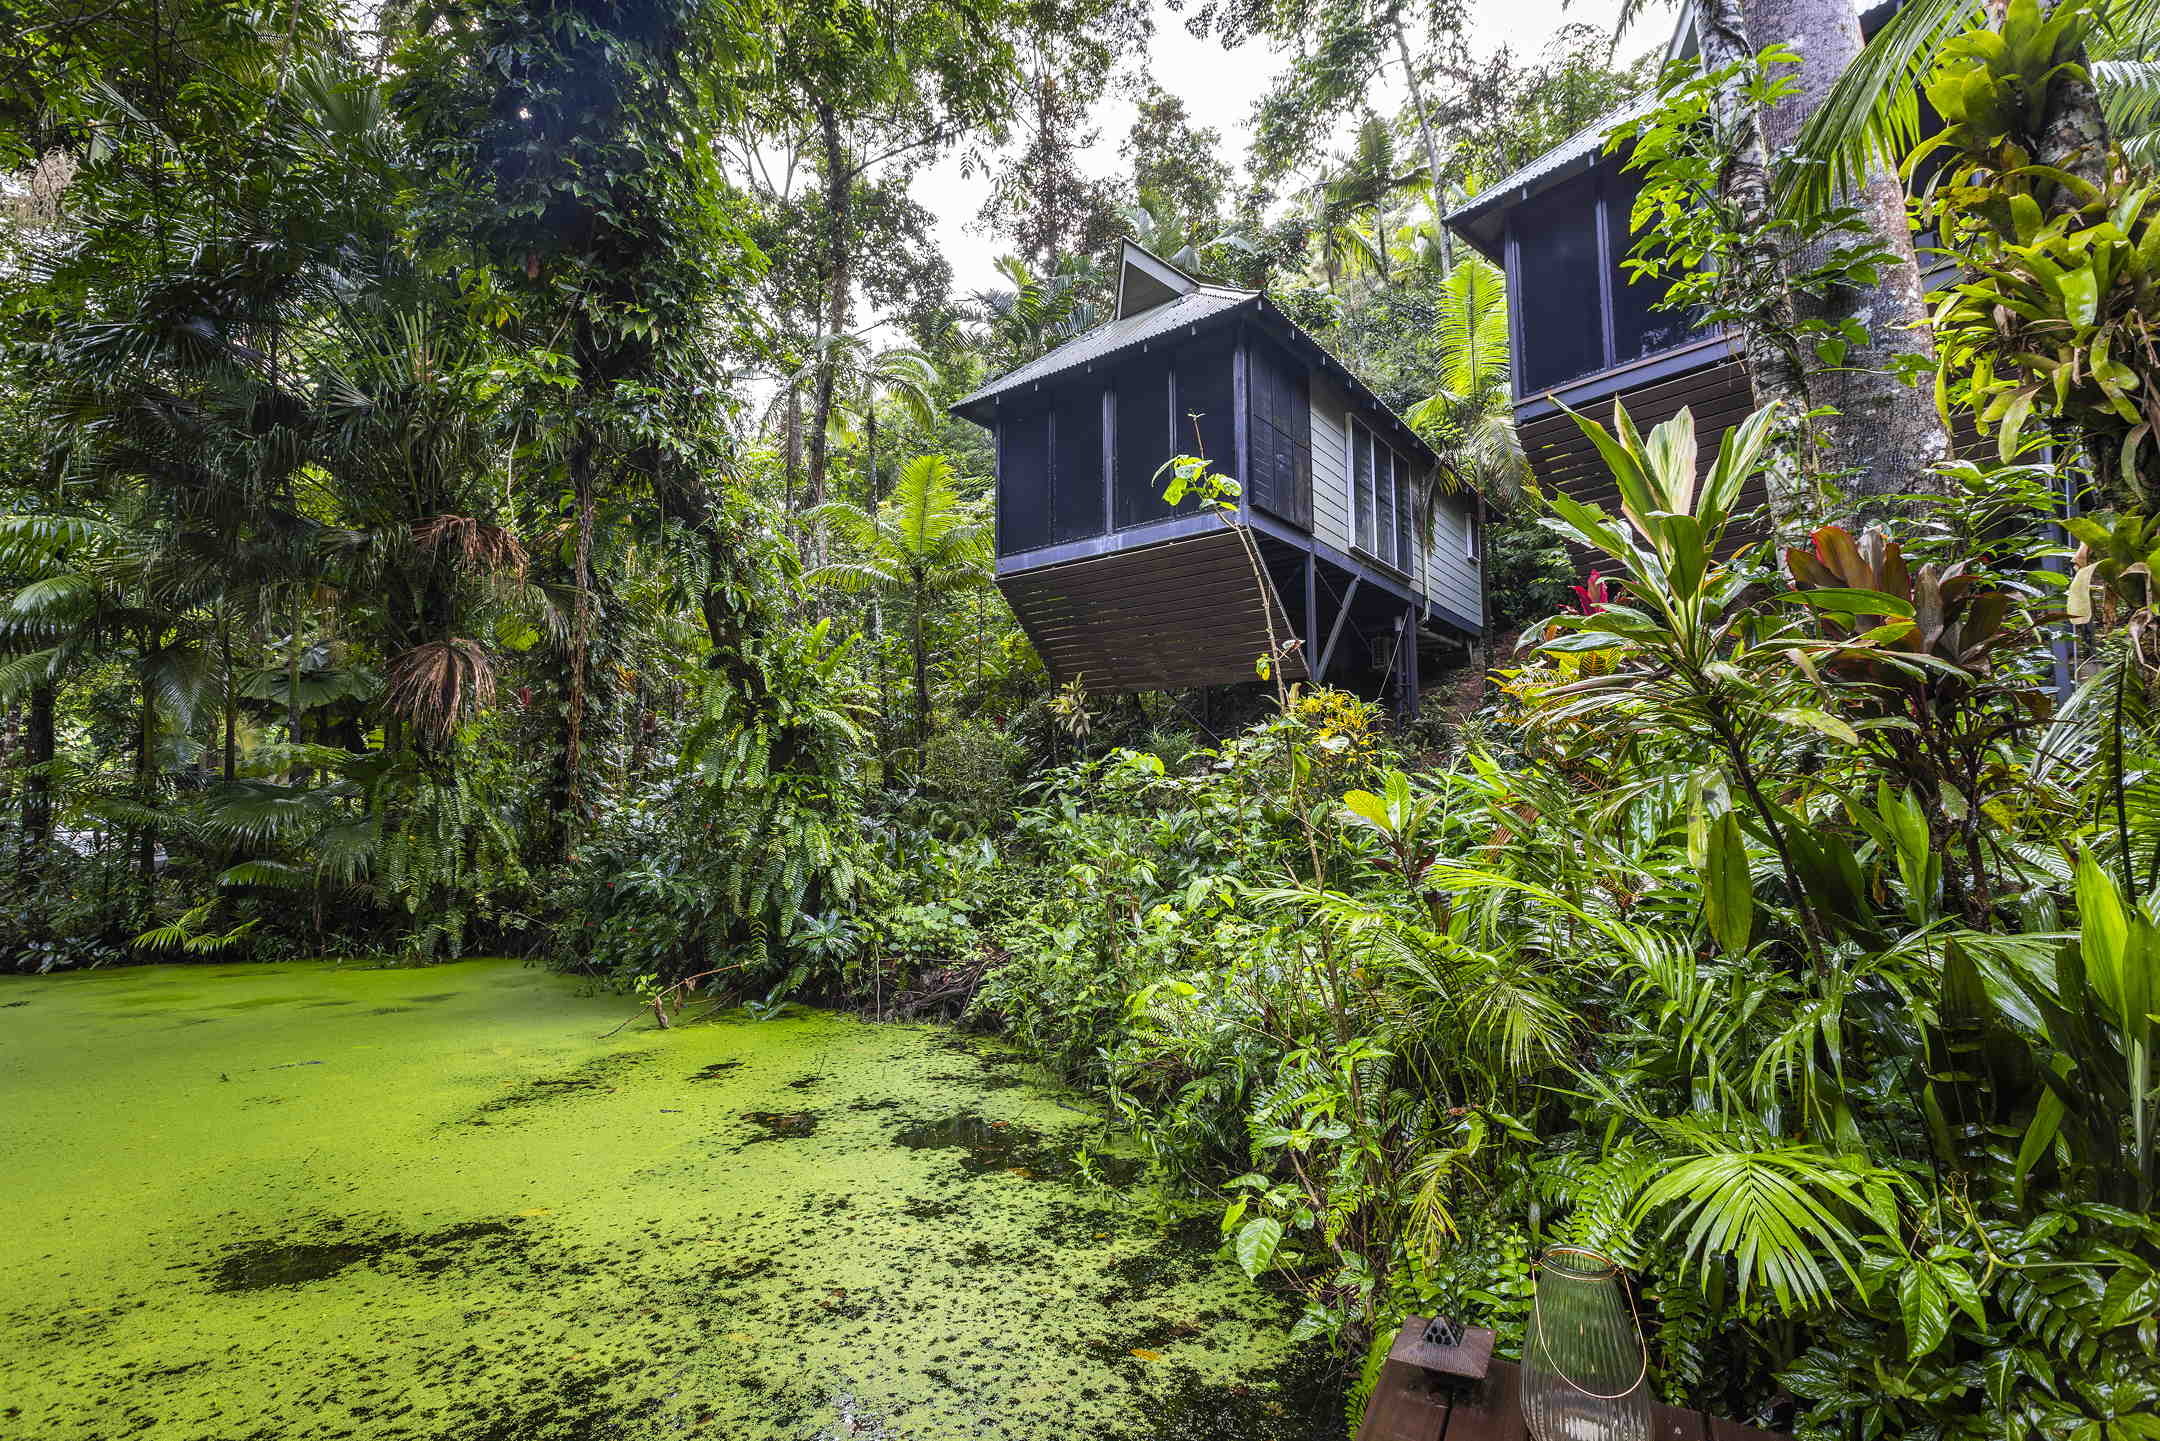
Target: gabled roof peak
[1146, 280]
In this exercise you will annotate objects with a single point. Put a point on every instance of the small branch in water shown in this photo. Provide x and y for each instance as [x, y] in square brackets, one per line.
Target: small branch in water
[660, 998]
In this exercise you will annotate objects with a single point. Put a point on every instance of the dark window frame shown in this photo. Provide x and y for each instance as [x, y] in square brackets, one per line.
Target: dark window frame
[1602, 177]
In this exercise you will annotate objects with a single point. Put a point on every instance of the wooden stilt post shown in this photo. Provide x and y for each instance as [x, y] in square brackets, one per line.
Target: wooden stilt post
[1409, 701]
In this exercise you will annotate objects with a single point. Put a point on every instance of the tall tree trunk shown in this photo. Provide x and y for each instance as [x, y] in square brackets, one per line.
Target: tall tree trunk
[791, 444]
[839, 191]
[2074, 138]
[641, 723]
[1881, 436]
[146, 773]
[292, 687]
[573, 754]
[230, 768]
[2074, 131]
[877, 491]
[1432, 151]
[884, 685]
[38, 744]
[921, 656]
[1773, 369]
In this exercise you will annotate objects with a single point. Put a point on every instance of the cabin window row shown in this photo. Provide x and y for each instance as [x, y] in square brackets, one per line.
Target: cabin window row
[1089, 462]
[1577, 309]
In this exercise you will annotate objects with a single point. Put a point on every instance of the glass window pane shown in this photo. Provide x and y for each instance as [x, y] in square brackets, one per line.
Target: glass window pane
[1406, 503]
[1384, 502]
[1361, 483]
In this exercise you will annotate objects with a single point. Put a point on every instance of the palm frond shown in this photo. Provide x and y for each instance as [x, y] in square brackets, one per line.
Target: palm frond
[1777, 1212]
[1871, 117]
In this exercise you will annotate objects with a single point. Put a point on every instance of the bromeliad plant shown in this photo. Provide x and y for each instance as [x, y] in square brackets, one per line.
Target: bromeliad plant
[2054, 318]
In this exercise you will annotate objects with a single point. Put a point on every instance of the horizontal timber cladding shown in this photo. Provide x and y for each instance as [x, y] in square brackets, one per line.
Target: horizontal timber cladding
[1566, 461]
[1451, 573]
[1331, 485]
[1184, 613]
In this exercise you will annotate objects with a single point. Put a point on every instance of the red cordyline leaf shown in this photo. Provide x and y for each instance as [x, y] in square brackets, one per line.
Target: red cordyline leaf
[1592, 596]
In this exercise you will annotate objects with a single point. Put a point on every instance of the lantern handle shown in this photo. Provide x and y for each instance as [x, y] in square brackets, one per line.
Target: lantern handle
[1642, 1371]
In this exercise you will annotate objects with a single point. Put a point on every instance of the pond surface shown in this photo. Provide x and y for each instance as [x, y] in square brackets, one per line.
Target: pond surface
[274, 1203]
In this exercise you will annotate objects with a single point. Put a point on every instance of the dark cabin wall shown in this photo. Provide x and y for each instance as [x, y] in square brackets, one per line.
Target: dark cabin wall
[1279, 470]
[1023, 450]
[1143, 424]
[1206, 402]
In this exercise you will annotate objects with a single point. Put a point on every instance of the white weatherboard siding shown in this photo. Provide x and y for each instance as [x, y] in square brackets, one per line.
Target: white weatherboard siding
[1330, 484]
[1444, 573]
[1451, 577]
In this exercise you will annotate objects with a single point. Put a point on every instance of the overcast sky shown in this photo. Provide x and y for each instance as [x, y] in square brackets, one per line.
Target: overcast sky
[1219, 87]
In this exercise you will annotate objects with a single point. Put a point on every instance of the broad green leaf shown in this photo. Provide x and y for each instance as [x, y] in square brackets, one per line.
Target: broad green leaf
[1256, 1244]
[1728, 893]
[1804, 718]
[1924, 1309]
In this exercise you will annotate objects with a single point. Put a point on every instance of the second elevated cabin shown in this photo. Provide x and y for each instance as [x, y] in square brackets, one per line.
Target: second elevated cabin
[1364, 562]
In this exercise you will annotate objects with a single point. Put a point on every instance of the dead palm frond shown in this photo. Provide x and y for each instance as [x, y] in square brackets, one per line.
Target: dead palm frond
[440, 685]
[475, 544]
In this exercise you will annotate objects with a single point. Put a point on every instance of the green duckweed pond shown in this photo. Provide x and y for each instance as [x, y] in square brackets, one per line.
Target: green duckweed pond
[283, 1203]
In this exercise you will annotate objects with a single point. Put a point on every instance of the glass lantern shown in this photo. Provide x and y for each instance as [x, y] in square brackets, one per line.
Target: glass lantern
[1584, 1361]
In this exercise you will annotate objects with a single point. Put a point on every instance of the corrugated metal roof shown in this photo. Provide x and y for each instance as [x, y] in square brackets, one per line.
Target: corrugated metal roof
[1576, 153]
[1107, 339]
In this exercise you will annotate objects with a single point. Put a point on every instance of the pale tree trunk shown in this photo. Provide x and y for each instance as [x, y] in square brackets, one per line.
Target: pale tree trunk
[38, 750]
[293, 774]
[877, 491]
[231, 766]
[2073, 137]
[791, 443]
[573, 758]
[919, 652]
[1773, 369]
[1882, 436]
[839, 189]
[146, 722]
[1432, 151]
[2074, 133]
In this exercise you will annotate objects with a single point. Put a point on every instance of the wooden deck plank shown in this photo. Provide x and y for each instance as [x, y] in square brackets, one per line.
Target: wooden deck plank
[1403, 1408]
[1492, 1410]
[1187, 612]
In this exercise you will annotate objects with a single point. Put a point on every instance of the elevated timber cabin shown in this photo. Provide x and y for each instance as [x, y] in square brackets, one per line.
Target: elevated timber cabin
[1583, 332]
[1126, 592]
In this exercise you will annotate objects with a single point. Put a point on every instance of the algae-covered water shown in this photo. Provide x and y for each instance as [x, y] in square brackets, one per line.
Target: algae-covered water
[273, 1203]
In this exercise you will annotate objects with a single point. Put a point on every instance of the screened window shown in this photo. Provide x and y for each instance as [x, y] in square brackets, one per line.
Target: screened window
[1557, 301]
[1384, 502]
[1204, 390]
[1142, 440]
[1023, 482]
[1362, 485]
[1078, 505]
[1639, 327]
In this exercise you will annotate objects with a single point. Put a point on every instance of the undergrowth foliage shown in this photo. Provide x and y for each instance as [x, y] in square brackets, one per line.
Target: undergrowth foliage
[1759, 941]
